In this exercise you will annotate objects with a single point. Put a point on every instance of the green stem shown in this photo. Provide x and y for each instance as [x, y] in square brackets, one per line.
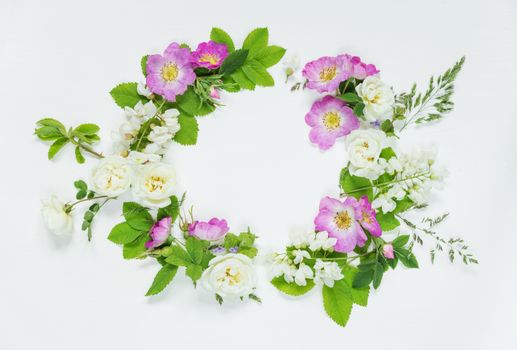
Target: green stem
[387, 183]
[70, 206]
[158, 110]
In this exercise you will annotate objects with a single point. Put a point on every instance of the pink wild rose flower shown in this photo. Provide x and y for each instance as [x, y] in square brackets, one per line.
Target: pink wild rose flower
[325, 73]
[366, 216]
[209, 55]
[339, 220]
[329, 119]
[212, 230]
[159, 233]
[170, 74]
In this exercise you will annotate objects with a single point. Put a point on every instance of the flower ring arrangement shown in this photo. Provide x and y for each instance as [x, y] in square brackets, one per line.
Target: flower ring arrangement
[180, 85]
[364, 230]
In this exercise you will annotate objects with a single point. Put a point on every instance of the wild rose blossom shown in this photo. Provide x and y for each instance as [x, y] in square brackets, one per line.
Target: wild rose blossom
[209, 55]
[159, 233]
[358, 69]
[325, 73]
[330, 118]
[366, 217]
[57, 219]
[339, 219]
[213, 230]
[170, 74]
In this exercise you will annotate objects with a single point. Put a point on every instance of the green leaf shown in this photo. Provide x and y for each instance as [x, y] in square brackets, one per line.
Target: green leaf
[178, 256]
[387, 221]
[350, 97]
[187, 135]
[126, 95]
[269, 56]
[243, 81]
[137, 216]
[48, 133]
[338, 302]
[354, 185]
[78, 155]
[359, 295]
[194, 272]
[52, 123]
[162, 279]
[400, 241]
[136, 248]
[362, 279]
[388, 153]
[143, 64]
[172, 210]
[87, 129]
[190, 103]
[196, 248]
[406, 257]
[378, 271]
[249, 252]
[388, 127]
[359, 109]
[123, 234]
[256, 39]
[291, 288]
[234, 61]
[220, 36]
[258, 74]
[56, 147]
[81, 185]
[403, 205]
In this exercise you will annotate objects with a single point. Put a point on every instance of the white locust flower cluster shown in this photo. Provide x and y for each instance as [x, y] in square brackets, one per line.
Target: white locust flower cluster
[160, 136]
[293, 268]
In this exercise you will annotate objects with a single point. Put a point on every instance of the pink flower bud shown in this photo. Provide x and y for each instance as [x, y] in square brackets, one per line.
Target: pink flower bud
[214, 93]
[387, 251]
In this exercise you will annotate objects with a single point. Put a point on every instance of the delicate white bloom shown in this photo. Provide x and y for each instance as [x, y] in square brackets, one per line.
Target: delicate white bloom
[143, 90]
[322, 241]
[303, 273]
[377, 97]
[154, 148]
[142, 158]
[299, 255]
[57, 220]
[170, 118]
[283, 266]
[159, 135]
[390, 166]
[291, 65]
[300, 239]
[326, 272]
[112, 176]
[363, 148]
[385, 202]
[154, 184]
[141, 111]
[230, 276]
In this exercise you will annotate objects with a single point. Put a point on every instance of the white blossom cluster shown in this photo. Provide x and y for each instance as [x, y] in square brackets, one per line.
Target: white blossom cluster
[293, 268]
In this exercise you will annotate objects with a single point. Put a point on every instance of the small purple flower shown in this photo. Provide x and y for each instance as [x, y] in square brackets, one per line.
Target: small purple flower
[325, 73]
[212, 230]
[233, 250]
[159, 233]
[170, 74]
[209, 55]
[387, 251]
[330, 118]
[366, 217]
[218, 250]
[338, 219]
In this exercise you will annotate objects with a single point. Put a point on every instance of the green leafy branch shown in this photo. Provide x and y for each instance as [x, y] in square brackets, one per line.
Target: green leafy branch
[82, 137]
[431, 105]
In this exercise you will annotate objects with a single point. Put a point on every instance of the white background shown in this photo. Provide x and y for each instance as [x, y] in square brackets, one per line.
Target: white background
[254, 166]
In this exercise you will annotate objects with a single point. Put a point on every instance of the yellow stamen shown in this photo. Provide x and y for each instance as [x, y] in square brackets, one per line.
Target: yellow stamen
[343, 220]
[331, 120]
[328, 73]
[155, 183]
[210, 58]
[170, 72]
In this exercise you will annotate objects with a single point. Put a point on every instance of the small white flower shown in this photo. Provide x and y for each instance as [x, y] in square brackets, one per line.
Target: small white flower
[112, 176]
[160, 135]
[231, 276]
[303, 273]
[300, 239]
[143, 90]
[299, 255]
[154, 185]
[385, 202]
[141, 158]
[141, 111]
[154, 148]
[57, 220]
[326, 273]
[291, 65]
[377, 97]
[322, 241]
[170, 118]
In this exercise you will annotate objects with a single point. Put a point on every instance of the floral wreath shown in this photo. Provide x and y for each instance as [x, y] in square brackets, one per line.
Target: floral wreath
[347, 251]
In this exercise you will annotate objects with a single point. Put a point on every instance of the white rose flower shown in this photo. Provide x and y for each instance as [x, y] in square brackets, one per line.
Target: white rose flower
[57, 220]
[378, 98]
[112, 176]
[230, 276]
[363, 148]
[154, 184]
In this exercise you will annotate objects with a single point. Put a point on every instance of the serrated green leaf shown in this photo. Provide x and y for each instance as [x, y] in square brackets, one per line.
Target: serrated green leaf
[257, 73]
[291, 288]
[136, 248]
[350, 97]
[126, 95]
[196, 248]
[56, 147]
[400, 241]
[354, 185]
[243, 81]
[256, 39]
[359, 295]
[387, 221]
[378, 271]
[233, 62]
[388, 153]
[187, 135]
[194, 272]
[162, 279]
[220, 36]
[190, 103]
[123, 234]
[363, 279]
[172, 210]
[338, 302]
[403, 205]
[269, 56]
[178, 256]
[143, 65]
[137, 216]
